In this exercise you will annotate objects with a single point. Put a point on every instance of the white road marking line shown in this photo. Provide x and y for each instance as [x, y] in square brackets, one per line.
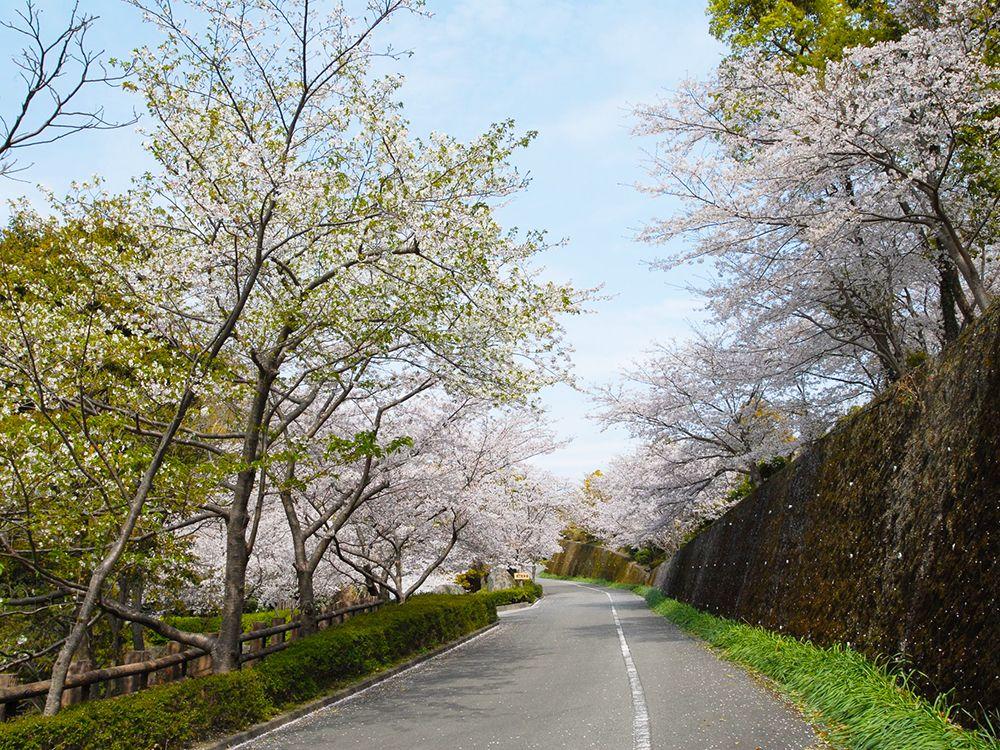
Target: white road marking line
[640, 716]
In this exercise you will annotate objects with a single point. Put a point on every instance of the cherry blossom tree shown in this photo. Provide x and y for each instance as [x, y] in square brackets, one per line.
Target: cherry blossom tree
[844, 198]
[295, 237]
[331, 464]
[521, 520]
[708, 416]
[651, 496]
[363, 235]
[201, 222]
[460, 488]
[838, 171]
[716, 404]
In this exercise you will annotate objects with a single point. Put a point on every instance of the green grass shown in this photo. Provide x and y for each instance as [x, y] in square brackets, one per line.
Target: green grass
[856, 703]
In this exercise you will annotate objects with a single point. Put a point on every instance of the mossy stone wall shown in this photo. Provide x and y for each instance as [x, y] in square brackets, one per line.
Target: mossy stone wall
[591, 561]
[884, 534]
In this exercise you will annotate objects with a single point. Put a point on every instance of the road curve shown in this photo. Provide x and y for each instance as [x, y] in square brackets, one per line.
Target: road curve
[566, 673]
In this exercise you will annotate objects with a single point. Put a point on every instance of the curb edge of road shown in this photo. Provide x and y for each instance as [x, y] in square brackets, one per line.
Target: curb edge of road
[258, 730]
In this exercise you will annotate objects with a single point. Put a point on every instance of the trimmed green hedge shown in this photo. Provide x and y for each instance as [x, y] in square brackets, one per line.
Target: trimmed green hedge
[363, 644]
[529, 592]
[859, 704]
[172, 716]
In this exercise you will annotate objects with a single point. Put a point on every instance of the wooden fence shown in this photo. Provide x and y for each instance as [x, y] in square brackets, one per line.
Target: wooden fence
[142, 670]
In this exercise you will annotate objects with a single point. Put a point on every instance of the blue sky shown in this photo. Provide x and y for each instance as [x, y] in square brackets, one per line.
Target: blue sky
[570, 69]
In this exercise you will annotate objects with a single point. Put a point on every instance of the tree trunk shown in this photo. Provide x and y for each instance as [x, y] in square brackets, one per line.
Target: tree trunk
[138, 643]
[53, 700]
[57, 683]
[948, 281]
[116, 626]
[307, 600]
[226, 651]
[965, 266]
[398, 581]
[304, 568]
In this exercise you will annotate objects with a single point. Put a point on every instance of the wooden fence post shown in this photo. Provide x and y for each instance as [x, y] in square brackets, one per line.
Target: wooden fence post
[199, 666]
[7, 710]
[167, 674]
[78, 694]
[256, 644]
[136, 682]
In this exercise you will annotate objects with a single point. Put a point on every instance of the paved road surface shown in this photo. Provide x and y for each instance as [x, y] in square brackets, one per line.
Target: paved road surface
[556, 675]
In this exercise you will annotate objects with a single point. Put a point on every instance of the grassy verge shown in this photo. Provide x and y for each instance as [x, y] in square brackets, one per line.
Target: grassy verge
[858, 704]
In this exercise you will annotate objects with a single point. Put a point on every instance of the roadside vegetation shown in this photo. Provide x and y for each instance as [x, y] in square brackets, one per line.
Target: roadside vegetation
[292, 363]
[178, 714]
[855, 703]
[529, 593]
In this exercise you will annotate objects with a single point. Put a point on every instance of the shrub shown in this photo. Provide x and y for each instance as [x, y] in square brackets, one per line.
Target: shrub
[529, 592]
[649, 555]
[172, 716]
[367, 642]
[168, 716]
[472, 579]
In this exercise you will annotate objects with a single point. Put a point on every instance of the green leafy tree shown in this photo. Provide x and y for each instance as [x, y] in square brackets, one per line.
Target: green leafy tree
[78, 365]
[807, 33]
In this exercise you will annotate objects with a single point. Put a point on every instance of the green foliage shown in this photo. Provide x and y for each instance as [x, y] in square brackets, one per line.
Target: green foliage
[529, 593]
[472, 579]
[574, 533]
[362, 445]
[743, 489]
[67, 322]
[173, 715]
[859, 704]
[168, 716]
[916, 358]
[807, 33]
[365, 643]
[650, 555]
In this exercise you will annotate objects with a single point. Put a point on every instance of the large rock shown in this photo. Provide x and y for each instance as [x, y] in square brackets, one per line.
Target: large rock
[591, 561]
[499, 578]
[448, 588]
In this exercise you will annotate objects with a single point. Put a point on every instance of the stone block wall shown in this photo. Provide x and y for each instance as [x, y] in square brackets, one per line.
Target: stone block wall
[884, 534]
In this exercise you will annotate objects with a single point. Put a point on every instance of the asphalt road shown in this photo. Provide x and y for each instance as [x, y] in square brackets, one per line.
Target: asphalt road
[560, 675]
